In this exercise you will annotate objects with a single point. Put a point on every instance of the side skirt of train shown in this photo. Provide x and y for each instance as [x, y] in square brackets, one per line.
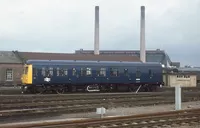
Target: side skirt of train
[61, 89]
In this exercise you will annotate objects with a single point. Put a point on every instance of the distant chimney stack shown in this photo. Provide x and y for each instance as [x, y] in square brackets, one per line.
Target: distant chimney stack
[96, 36]
[142, 35]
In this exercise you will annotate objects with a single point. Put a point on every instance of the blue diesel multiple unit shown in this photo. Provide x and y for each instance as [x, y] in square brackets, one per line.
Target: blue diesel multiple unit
[73, 75]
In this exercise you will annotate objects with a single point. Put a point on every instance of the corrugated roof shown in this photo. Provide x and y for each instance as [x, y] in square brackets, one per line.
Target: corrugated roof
[151, 55]
[66, 56]
[9, 57]
[118, 51]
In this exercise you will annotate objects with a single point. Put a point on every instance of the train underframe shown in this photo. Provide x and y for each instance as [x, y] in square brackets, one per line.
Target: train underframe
[61, 89]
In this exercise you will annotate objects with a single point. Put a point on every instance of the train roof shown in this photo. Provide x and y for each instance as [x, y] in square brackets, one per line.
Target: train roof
[40, 62]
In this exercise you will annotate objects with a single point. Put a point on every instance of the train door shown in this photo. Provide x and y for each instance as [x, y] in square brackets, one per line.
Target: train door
[41, 77]
[42, 74]
[85, 72]
[35, 74]
[101, 77]
[74, 75]
[150, 75]
[126, 76]
[138, 74]
[82, 75]
[48, 74]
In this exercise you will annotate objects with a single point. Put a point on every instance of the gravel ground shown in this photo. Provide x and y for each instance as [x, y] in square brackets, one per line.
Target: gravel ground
[10, 90]
[121, 111]
[113, 112]
[186, 126]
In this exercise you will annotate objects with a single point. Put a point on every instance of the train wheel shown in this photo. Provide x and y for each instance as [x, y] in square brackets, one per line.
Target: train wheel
[60, 90]
[39, 89]
[24, 89]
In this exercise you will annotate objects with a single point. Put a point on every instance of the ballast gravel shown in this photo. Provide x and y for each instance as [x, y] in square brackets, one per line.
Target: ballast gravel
[121, 111]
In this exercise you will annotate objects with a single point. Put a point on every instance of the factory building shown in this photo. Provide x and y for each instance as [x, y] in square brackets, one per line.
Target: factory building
[151, 55]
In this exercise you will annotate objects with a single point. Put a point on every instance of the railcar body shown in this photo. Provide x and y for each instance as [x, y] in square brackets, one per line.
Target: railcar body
[71, 75]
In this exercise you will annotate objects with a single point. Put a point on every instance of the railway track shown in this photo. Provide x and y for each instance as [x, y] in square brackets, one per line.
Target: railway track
[161, 119]
[35, 105]
[16, 90]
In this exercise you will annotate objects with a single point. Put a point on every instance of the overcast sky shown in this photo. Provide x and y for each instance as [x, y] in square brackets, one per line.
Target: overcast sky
[68, 25]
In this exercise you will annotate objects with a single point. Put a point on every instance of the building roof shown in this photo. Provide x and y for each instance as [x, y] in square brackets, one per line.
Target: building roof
[195, 69]
[151, 55]
[65, 56]
[191, 70]
[85, 62]
[9, 57]
[118, 51]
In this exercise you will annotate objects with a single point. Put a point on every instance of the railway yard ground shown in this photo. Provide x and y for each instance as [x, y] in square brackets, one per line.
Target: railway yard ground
[110, 113]
[80, 108]
[10, 90]
[17, 90]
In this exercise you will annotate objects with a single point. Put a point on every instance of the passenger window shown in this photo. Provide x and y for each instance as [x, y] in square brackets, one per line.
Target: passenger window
[51, 71]
[43, 71]
[126, 72]
[114, 72]
[83, 72]
[138, 73]
[34, 72]
[73, 71]
[101, 72]
[88, 71]
[65, 71]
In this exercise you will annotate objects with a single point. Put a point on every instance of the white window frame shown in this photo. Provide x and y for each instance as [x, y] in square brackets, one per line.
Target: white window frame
[9, 74]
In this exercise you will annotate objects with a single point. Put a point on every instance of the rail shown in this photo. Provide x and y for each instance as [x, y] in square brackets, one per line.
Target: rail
[151, 119]
[29, 106]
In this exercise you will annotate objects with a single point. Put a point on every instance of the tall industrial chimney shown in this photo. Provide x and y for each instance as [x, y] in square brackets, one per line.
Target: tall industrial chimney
[142, 35]
[96, 36]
